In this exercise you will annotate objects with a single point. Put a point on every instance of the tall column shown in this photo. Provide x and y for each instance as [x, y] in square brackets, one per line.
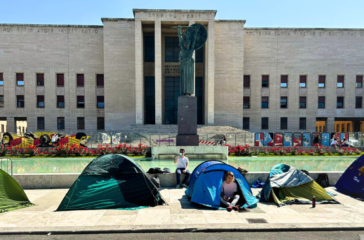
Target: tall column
[139, 73]
[210, 74]
[158, 70]
[10, 125]
[330, 124]
[194, 70]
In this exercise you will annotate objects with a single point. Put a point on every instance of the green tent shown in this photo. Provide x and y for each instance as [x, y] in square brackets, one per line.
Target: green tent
[112, 181]
[12, 195]
[287, 185]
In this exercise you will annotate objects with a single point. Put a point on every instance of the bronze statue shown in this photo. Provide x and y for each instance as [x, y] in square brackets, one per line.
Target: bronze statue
[192, 39]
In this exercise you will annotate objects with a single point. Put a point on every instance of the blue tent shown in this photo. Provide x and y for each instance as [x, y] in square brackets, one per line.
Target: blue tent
[207, 184]
[352, 181]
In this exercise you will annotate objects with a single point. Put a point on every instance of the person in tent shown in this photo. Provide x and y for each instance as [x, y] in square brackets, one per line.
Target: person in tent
[182, 167]
[229, 196]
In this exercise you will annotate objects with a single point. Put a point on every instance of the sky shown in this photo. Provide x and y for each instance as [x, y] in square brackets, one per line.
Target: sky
[257, 13]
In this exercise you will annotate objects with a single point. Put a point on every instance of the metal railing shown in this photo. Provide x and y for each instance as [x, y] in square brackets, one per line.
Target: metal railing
[7, 165]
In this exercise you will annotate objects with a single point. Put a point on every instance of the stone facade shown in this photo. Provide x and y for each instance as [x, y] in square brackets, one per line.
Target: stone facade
[116, 50]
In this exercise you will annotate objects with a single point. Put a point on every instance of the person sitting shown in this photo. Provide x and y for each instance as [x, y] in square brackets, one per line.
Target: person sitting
[333, 143]
[229, 195]
[222, 141]
[345, 143]
[182, 167]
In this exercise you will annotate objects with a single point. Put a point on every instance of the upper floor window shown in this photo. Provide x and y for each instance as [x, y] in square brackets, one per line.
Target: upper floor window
[40, 79]
[246, 102]
[40, 101]
[265, 102]
[284, 102]
[302, 102]
[322, 81]
[20, 101]
[172, 49]
[20, 79]
[303, 81]
[321, 102]
[100, 102]
[246, 81]
[80, 101]
[60, 80]
[80, 80]
[60, 102]
[149, 52]
[1, 101]
[265, 81]
[100, 80]
[1, 79]
[340, 102]
[358, 102]
[284, 81]
[340, 81]
[359, 81]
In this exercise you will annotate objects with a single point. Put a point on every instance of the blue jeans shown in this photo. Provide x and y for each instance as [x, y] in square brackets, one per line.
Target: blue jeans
[178, 175]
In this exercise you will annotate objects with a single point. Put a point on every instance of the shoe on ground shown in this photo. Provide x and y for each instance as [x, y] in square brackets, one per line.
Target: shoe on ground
[178, 186]
[184, 185]
[236, 208]
[229, 208]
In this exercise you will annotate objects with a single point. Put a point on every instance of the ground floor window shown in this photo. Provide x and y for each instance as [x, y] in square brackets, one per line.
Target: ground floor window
[284, 123]
[60, 123]
[40, 123]
[149, 100]
[302, 123]
[265, 123]
[80, 123]
[199, 95]
[246, 125]
[100, 123]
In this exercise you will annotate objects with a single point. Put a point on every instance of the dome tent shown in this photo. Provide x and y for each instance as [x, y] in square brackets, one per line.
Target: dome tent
[352, 181]
[286, 185]
[206, 190]
[12, 195]
[112, 181]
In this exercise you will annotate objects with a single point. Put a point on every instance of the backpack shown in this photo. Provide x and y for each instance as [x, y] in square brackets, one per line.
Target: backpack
[323, 177]
[166, 170]
[155, 170]
[155, 180]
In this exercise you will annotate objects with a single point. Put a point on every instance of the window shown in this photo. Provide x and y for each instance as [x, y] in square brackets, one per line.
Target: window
[265, 102]
[321, 102]
[40, 123]
[359, 81]
[246, 102]
[100, 80]
[172, 91]
[20, 101]
[246, 81]
[284, 102]
[265, 81]
[1, 79]
[60, 102]
[1, 101]
[60, 80]
[172, 49]
[321, 81]
[40, 79]
[60, 123]
[80, 80]
[149, 51]
[340, 102]
[358, 102]
[80, 101]
[340, 81]
[149, 100]
[199, 55]
[100, 102]
[302, 102]
[265, 124]
[100, 123]
[246, 123]
[303, 81]
[199, 94]
[284, 81]
[80, 123]
[40, 101]
[302, 123]
[20, 79]
[284, 123]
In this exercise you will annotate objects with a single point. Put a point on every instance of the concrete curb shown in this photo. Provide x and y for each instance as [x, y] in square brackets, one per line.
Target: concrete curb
[186, 228]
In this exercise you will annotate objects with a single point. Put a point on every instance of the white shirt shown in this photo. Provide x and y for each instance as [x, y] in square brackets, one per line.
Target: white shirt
[182, 162]
[334, 142]
[228, 189]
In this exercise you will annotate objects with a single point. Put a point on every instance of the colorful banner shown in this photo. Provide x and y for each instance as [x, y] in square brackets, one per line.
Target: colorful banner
[287, 140]
[325, 139]
[278, 139]
[297, 139]
[306, 140]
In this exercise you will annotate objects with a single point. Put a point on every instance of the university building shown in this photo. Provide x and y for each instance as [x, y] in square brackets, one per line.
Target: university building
[126, 72]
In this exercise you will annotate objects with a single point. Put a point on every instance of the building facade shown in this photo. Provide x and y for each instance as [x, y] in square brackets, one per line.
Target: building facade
[126, 72]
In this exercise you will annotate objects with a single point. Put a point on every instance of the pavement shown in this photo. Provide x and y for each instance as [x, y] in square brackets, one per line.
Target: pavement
[179, 215]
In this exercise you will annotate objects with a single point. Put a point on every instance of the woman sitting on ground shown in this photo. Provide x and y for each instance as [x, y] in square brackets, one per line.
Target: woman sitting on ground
[229, 192]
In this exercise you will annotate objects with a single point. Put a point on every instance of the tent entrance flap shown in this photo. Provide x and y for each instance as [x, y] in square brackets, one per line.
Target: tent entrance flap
[210, 184]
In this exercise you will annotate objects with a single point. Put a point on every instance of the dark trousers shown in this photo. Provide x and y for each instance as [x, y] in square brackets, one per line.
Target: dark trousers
[178, 175]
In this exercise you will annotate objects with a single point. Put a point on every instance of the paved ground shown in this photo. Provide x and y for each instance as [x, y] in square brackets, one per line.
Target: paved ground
[346, 235]
[179, 215]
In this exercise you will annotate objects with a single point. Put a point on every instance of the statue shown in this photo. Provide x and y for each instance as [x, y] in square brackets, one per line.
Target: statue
[192, 39]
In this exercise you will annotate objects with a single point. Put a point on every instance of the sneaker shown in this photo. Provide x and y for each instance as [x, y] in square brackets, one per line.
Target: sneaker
[236, 208]
[177, 186]
[184, 185]
[229, 208]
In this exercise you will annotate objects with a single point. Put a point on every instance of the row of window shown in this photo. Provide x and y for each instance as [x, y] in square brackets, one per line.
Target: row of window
[20, 103]
[303, 102]
[39, 77]
[265, 123]
[61, 123]
[303, 81]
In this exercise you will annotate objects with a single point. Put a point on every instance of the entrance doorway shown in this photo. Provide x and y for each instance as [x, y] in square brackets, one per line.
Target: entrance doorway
[344, 126]
[320, 124]
[21, 125]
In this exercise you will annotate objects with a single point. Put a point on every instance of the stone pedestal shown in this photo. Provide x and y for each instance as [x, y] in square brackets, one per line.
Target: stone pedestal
[187, 121]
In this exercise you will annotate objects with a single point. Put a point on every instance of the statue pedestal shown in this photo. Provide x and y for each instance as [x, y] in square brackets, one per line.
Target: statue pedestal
[187, 121]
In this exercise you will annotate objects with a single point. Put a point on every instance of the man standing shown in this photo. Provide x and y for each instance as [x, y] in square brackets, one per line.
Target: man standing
[182, 167]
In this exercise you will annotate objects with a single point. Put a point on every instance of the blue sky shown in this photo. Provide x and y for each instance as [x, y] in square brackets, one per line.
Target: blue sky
[258, 13]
